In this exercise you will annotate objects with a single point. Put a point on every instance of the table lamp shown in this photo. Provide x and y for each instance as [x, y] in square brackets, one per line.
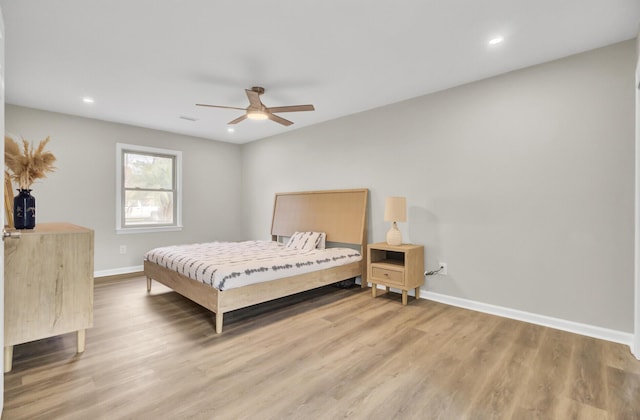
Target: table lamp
[395, 210]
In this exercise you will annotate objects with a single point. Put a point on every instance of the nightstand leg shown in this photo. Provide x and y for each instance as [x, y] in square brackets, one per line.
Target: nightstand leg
[374, 288]
[388, 289]
[417, 293]
[404, 297]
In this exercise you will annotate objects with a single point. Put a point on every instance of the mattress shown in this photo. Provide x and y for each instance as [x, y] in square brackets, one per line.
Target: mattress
[228, 265]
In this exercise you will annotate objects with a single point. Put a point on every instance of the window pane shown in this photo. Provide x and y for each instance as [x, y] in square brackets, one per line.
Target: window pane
[148, 171]
[148, 183]
[148, 208]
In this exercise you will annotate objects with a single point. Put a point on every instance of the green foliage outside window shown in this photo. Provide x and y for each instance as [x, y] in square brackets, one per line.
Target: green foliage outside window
[149, 183]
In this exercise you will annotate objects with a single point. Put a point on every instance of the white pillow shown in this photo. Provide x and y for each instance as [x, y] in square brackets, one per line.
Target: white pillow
[307, 241]
[323, 241]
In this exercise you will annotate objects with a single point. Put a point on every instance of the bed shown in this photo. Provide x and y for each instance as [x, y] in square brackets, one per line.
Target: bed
[339, 214]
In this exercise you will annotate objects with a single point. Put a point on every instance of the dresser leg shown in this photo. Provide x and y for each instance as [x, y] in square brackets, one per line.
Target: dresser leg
[417, 293]
[404, 297]
[374, 289]
[81, 339]
[8, 358]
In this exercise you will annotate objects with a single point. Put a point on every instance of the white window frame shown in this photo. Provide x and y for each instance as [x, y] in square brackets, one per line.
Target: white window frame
[131, 148]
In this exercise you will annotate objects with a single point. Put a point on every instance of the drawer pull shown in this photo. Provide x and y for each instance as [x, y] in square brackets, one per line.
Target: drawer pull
[10, 234]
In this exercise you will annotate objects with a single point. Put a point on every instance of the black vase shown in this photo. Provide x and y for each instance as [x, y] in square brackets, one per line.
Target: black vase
[24, 210]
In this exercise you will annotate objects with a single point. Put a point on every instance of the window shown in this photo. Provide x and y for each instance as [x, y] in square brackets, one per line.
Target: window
[148, 189]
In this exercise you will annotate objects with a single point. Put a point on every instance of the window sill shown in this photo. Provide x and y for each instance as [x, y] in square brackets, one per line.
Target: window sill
[127, 231]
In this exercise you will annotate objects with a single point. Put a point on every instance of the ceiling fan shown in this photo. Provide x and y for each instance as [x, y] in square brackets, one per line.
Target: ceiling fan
[258, 111]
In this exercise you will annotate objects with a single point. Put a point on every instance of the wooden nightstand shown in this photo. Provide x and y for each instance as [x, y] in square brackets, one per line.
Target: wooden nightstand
[398, 266]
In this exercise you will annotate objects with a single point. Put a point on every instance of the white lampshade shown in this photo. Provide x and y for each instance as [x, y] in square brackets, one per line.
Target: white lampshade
[395, 209]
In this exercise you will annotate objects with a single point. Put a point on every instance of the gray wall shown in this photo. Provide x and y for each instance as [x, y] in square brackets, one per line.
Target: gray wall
[522, 183]
[82, 189]
[636, 341]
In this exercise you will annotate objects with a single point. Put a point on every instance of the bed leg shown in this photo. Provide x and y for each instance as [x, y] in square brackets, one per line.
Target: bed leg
[218, 322]
[148, 284]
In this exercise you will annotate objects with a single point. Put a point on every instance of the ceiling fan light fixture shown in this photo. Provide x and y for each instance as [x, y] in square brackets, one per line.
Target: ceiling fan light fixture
[257, 115]
[258, 111]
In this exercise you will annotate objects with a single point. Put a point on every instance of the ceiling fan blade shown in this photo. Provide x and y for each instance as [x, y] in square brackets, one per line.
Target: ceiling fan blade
[279, 120]
[254, 99]
[237, 120]
[291, 108]
[220, 106]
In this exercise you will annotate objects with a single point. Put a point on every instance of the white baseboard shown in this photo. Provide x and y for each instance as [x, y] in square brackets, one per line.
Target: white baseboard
[118, 271]
[546, 321]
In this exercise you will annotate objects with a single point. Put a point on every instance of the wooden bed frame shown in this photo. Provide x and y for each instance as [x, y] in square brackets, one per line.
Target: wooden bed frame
[341, 214]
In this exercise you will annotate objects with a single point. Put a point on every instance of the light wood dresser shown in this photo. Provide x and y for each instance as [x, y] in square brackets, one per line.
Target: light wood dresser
[48, 285]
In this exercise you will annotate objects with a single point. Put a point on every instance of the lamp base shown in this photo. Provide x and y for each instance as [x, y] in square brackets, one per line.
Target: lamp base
[394, 237]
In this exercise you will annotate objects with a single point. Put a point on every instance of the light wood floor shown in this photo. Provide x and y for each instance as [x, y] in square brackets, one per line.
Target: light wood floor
[334, 354]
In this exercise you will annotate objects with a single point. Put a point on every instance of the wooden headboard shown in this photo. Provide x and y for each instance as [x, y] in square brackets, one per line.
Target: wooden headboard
[341, 214]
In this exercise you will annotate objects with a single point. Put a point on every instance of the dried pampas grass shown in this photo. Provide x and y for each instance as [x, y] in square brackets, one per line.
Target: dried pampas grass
[27, 164]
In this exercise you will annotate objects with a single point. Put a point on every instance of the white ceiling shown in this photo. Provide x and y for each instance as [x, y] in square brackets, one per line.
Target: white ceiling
[148, 62]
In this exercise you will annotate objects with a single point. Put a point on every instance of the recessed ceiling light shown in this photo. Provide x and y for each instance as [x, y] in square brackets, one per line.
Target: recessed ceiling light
[87, 100]
[496, 40]
[231, 130]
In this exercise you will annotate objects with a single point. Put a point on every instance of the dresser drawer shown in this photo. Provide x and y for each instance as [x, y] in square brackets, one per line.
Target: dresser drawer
[386, 275]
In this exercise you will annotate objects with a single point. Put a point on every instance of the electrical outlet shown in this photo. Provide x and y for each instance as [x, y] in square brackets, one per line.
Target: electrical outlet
[443, 265]
[123, 249]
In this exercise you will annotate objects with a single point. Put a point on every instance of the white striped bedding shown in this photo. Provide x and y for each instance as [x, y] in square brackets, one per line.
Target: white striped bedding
[228, 265]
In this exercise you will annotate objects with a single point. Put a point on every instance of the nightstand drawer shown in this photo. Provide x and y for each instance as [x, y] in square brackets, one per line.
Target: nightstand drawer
[390, 276]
